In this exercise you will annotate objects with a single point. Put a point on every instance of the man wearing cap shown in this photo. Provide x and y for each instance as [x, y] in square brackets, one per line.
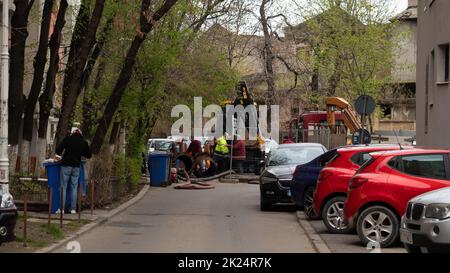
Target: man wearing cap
[72, 148]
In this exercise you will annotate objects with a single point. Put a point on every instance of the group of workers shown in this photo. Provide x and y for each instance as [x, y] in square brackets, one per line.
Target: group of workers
[222, 150]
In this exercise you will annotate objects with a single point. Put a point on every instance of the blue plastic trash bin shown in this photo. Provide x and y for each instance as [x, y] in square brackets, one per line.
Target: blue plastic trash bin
[159, 168]
[54, 182]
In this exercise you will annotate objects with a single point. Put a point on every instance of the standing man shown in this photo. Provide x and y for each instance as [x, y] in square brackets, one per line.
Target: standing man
[74, 147]
[239, 154]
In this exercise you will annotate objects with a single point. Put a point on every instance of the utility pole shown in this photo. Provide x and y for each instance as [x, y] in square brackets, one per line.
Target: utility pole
[4, 160]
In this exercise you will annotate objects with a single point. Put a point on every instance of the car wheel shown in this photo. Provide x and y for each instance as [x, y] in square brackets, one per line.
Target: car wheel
[333, 215]
[265, 205]
[378, 224]
[412, 249]
[308, 204]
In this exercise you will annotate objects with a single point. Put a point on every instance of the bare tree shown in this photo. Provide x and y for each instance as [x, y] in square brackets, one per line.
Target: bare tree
[81, 48]
[46, 99]
[19, 35]
[39, 63]
[268, 55]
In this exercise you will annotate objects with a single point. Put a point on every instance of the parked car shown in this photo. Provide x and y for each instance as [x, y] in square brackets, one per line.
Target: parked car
[425, 227]
[304, 182]
[379, 193]
[8, 217]
[276, 178]
[269, 145]
[332, 184]
[159, 144]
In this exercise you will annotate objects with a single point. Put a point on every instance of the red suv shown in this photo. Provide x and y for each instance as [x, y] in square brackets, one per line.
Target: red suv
[378, 194]
[332, 184]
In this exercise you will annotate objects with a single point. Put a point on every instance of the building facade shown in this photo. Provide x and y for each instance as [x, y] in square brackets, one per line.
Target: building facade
[433, 87]
[398, 105]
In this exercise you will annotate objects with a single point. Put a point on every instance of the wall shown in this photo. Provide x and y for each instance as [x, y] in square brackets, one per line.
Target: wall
[433, 100]
[405, 61]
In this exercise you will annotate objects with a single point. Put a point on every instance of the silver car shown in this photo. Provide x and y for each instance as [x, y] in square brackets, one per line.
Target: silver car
[426, 225]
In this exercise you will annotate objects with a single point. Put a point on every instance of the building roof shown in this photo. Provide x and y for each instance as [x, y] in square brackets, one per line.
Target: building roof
[409, 14]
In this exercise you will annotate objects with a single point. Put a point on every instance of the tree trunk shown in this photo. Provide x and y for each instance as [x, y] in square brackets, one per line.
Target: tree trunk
[268, 55]
[147, 22]
[41, 152]
[72, 84]
[40, 61]
[46, 99]
[19, 35]
[87, 107]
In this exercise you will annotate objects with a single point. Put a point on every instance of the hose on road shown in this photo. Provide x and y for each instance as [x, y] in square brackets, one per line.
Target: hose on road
[205, 179]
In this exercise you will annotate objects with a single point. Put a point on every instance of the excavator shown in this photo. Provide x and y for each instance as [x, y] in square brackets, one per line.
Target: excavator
[339, 117]
[349, 116]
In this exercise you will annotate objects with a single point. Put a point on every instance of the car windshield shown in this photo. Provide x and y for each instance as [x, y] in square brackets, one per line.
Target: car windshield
[162, 145]
[294, 156]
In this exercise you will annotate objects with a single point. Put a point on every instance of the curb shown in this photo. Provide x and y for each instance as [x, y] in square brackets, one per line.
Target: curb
[317, 241]
[97, 222]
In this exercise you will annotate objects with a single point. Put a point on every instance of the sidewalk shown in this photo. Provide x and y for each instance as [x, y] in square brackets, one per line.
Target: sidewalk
[42, 239]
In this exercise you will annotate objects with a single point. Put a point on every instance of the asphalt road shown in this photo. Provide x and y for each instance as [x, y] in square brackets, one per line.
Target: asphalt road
[225, 219]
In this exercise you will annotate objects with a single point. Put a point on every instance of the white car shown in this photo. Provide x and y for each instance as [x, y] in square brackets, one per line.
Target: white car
[425, 226]
[270, 145]
[159, 144]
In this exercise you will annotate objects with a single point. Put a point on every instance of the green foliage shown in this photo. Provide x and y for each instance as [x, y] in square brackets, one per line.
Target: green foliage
[54, 230]
[30, 242]
[173, 65]
[127, 167]
[19, 187]
[352, 45]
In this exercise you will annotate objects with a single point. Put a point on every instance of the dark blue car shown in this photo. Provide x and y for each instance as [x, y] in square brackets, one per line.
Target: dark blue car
[304, 181]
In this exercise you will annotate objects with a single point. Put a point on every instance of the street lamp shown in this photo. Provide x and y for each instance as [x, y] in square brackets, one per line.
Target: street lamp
[4, 161]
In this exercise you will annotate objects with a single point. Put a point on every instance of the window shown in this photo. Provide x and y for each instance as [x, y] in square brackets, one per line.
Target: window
[428, 166]
[443, 63]
[294, 156]
[395, 163]
[360, 158]
[328, 157]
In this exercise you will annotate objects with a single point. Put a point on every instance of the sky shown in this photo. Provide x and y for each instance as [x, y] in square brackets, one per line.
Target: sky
[401, 4]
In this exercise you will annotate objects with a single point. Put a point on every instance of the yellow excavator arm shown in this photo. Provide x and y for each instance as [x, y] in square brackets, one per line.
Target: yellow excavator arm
[349, 117]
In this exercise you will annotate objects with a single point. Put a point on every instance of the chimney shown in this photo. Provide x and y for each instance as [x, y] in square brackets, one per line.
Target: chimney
[412, 3]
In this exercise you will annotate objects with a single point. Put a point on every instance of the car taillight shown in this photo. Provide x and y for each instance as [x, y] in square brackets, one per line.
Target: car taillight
[296, 172]
[324, 175]
[357, 181]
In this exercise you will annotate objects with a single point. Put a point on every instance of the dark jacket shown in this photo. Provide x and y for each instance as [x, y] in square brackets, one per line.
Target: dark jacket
[195, 148]
[74, 147]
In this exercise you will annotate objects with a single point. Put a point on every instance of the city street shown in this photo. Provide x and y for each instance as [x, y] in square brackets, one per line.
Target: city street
[271, 112]
[225, 219]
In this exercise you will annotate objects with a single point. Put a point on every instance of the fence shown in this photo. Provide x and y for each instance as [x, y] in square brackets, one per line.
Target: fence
[323, 134]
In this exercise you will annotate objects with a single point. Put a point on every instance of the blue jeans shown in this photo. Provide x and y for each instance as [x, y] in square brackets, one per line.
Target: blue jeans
[70, 176]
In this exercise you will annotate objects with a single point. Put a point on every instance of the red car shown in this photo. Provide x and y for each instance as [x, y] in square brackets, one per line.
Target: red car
[378, 194]
[332, 184]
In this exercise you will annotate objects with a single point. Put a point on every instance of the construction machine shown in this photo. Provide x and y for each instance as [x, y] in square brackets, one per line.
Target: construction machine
[349, 117]
[329, 127]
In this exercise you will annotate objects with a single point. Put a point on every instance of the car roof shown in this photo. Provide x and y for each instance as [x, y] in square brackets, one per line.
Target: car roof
[415, 151]
[368, 148]
[160, 139]
[298, 145]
